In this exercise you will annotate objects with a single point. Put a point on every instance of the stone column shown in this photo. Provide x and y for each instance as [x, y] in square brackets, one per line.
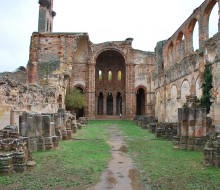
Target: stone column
[38, 125]
[104, 104]
[23, 125]
[184, 128]
[188, 44]
[130, 96]
[46, 126]
[57, 120]
[147, 103]
[191, 131]
[114, 104]
[90, 90]
[200, 128]
[30, 126]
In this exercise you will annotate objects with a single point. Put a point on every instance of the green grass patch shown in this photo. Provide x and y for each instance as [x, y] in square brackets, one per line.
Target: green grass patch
[166, 168]
[76, 164]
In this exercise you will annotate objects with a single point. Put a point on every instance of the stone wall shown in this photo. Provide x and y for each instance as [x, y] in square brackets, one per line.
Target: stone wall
[21, 97]
[213, 57]
[73, 55]
[180, 68]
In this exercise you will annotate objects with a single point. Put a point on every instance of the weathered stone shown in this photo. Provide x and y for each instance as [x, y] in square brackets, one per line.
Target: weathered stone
[46, 125]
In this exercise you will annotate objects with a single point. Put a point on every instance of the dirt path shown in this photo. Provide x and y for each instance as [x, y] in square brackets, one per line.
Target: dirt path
[121, 173]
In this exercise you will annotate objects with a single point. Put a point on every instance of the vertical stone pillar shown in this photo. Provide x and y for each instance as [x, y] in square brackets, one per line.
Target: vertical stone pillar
[200, 128]
[23, 125]
[130, 101]
[216, 159]
[91, 107]
[104, 104]
[114, 104]
[57, 125]
[30, 125]
[184, 128]
[37, 120]
[61, 111]
[188, 44]
[191, 131]
[57, 120]
[179, 122]
[46, 126]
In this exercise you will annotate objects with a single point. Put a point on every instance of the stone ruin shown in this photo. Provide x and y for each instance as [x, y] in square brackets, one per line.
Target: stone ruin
[192, 125]
[166, 130]
[20, 97]
[212, 152]
[162, 129]
[194, 130]
[14, 153]
[36, 132]
[46, 130]
[144, 121]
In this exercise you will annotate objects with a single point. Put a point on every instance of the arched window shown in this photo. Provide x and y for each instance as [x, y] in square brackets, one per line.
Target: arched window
[110, 75]
[119, 75]
[100, 74]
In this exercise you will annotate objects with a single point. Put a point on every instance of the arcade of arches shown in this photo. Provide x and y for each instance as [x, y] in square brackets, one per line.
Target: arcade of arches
[110, 83]
[117, 79]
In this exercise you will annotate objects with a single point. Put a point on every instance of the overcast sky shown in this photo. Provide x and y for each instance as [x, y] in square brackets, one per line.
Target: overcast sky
[147, 22]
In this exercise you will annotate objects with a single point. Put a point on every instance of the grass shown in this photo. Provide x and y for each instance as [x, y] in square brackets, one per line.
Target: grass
[166, 168]
[76, 164]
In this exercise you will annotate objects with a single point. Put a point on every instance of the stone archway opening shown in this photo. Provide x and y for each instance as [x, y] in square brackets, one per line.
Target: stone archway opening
[100, 103]
[79, 111]
[119, 104]
[140, 102]
[110, 80]
[110, 104]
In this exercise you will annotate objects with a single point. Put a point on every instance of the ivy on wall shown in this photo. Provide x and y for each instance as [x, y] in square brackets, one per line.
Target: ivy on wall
[206, 87]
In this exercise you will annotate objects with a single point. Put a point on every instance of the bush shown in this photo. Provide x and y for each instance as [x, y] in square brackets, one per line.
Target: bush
[74, 99]
[206, 88]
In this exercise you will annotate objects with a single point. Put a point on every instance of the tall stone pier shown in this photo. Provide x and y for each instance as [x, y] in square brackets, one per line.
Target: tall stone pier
[192, 125]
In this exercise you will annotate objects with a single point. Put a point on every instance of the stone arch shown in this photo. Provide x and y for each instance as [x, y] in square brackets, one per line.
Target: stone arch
[189, 34]
[100, 103]
[180, 46]
[170, 54]
[80, 87]
[173, 104]
[119, 104]
[110, 62]
[98, 53]
[140, 86]
[140, 101]
[206, 18]
[79, 111]
[185, 90]
[174, 92]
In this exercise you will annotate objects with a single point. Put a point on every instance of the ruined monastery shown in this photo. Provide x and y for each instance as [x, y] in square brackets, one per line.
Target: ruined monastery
[115, 78]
